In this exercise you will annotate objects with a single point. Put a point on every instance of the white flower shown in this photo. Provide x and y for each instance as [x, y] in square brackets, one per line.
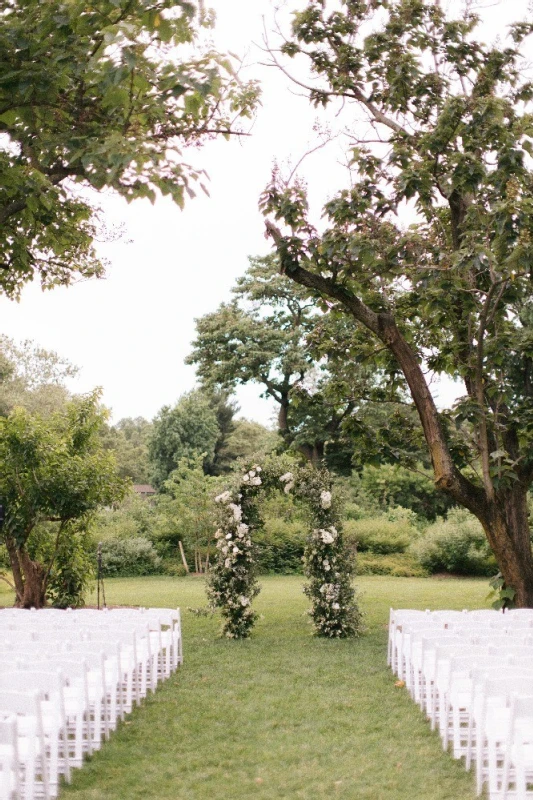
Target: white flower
[236, 551]
[225, 550]
[229, 535]
[237, 512]
[288, 487]
[327, 537]
[227, 563]
[336, 606]
[245, 601]
[255, 481]
[325, 499]
[257, 469]
[223, 498]
[242, 530]
[287, 477]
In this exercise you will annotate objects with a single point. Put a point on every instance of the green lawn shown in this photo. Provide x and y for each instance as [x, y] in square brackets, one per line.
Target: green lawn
[283, 715]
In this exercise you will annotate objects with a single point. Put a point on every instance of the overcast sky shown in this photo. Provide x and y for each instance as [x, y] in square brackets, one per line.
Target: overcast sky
[130, 332]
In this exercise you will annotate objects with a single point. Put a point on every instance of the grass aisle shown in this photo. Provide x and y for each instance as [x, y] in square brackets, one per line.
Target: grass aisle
[283, 715]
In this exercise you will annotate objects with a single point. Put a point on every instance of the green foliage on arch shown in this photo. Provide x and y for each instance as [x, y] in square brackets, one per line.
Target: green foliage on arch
[232, 583]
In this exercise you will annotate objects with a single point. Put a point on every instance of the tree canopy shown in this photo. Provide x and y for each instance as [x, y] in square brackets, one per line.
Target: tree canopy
[99, 96]
[32, 377]
[274, 334]
[198, 425]
[450, 136]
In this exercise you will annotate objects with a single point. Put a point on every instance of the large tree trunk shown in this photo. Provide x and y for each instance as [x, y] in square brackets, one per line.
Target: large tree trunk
[29, 577]
[313, 453]
[502, 514]
[507, 529]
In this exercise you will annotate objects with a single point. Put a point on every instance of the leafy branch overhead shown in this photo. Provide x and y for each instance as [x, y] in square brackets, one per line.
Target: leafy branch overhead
[106, 96]
[450, 137]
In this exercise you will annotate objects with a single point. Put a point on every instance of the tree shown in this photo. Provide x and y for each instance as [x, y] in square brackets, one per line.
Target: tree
[450, 293]
[32, 377]
[128, 440]
[54, 475]
[96, 96]
[187, 512]
[251, 441]
[273, 334]
[197, 425]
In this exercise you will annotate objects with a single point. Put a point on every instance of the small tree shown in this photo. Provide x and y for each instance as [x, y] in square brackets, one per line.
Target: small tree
[452, 133]
[186, 510]
[54, 475]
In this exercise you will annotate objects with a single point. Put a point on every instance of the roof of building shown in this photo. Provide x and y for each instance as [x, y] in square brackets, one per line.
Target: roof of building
[143, 488]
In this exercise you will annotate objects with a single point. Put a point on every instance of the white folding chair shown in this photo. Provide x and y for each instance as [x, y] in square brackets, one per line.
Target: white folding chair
[491, 716]
[26, 706]
[51, 687]
[9, 760]
[518, 756]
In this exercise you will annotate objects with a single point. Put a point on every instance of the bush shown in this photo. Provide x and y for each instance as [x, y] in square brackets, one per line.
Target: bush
[379, 535]
[280, 546]
[394, 485]
[399, 565]
[456, 545]
[130, 557]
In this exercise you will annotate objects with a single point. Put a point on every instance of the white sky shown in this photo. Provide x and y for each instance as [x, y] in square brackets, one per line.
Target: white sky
[130, 332]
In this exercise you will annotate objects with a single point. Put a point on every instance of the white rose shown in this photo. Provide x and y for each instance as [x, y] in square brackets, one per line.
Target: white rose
[237, 512]
[288, 487]
[225, 550]
[287, 477]
[227, 563]
[229, 535]
[223, 498]
[255, 481]
[242, 530]
[325, 499]
[245, 601]
[236, 551]
[336, 606]
[327, 537]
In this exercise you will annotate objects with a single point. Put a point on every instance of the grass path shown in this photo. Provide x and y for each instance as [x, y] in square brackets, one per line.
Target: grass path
[283, 715]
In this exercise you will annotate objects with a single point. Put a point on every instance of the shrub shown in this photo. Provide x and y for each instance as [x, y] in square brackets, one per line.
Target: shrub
[280, 546]
[391, 484]
[399, 565]
[379, 535]
[456, 545]
[72, 573]
[129, 558]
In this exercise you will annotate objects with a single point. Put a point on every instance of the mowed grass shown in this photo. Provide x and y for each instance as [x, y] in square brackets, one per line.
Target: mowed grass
[284, 714]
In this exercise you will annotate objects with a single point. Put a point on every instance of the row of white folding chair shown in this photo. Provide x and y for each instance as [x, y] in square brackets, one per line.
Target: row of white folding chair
[408, 640]
[138, 644]
[164, 620]
[130, 655]
[474, 707]
[441, 617]
[10, 786]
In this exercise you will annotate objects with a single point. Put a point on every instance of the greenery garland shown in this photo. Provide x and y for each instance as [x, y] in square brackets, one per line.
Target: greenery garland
[232, 582]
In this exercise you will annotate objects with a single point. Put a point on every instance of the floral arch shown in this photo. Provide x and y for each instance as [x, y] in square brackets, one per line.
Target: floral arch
[232, 583]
